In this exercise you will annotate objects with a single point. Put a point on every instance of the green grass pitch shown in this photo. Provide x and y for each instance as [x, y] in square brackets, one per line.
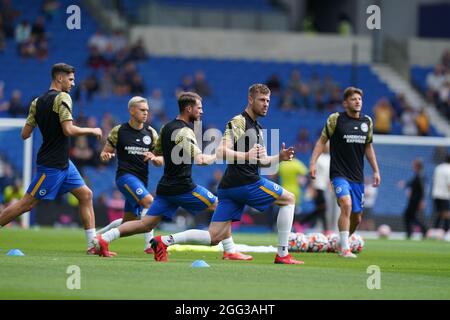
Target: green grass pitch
[409, 270]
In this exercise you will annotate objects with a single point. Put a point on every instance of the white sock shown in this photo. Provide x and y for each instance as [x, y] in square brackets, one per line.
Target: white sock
[284, 226]
[90, 235]
[343, 239]
[147, 237]
[189, 237]
[228, 245]
[111, 235]
[113, 224]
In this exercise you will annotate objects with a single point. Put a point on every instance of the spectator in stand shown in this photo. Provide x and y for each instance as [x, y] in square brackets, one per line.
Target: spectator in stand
[118, 41]
[92, 85]
[16, 106]
[445, 60]
[398, 104]
[121, 58]
[315, 84]
[295, 82]
[384, 115]
[22, 33]
[303, 145]
[106, 85]
[80, 153]
[443, 96]
[42, 49]
[4, 105]
[108, 122]
[201, 86]
[435, 81]
[38, 28]
[319, 101]
[28, 48]
[137, 86]
[187, 84]
[329, 85]
[344, 27]
[50, 8]
[2, 36]
[93, 143]
[287, 102]
[138, 51]
[99, 40]
[408, 121]
[335, 100]
[423, 123]
[96, 60]
[156, 101]
[274, 84]
[8, 14]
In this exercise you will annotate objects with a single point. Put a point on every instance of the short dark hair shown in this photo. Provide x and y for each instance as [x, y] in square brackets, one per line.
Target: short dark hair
[61, 68]
[186, 99]
[258, 88]
[351, 91]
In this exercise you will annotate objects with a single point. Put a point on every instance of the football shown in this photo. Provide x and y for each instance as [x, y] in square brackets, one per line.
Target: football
[317, 242]
[333, 240]
[356, 243]
[302, 242]
[384, 231]
[293, 242]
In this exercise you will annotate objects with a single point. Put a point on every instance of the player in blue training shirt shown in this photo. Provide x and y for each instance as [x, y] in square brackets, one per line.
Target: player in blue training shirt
[56, 174]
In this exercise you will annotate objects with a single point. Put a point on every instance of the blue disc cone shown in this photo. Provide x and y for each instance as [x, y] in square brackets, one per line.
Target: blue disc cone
[15, 252]
[199, 264]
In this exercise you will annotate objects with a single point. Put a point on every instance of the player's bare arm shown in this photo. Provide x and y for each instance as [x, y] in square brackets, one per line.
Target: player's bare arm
[225, 151]
[318, 150]
[202, 159]
[370, 154]
[156, 160]
[107, 153]
[71, 130]
[27, 130]
[284, 155]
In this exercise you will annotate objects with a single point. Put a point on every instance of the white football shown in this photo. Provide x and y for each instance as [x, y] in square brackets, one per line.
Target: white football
[293, 242]
[302, 242]
[318, 242]
[384, 231]
[333, 241]
[356, 243]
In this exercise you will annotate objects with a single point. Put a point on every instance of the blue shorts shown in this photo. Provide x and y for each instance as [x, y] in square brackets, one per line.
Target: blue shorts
[343, 187]
[259, 195]
[49, 182]
[134, 190]
[194, 201]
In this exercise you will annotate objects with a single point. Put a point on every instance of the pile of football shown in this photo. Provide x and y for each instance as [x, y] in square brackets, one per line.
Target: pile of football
[318, 242]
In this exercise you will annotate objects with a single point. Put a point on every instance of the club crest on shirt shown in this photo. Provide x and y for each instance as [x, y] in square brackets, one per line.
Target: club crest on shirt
[338, 190]
[42, 192]
[147, 140]
[139, 191]
[364, 127]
